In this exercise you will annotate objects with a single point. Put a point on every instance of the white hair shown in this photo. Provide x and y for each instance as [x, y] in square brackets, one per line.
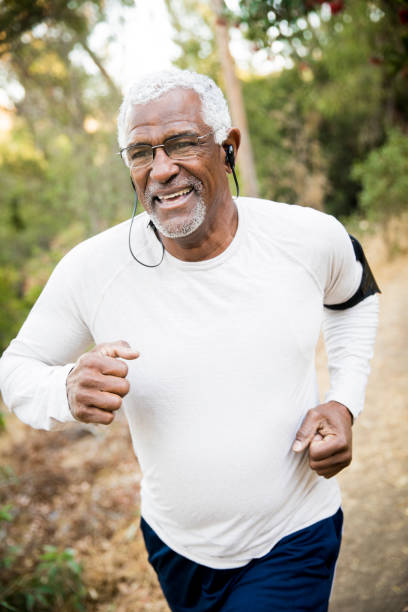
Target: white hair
[214, 108]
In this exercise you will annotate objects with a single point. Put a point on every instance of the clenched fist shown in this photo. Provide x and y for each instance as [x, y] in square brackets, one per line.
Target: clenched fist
[326, 434]
[97, 383]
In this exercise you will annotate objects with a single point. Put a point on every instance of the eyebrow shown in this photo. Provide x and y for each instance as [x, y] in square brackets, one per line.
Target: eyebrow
[178, 135]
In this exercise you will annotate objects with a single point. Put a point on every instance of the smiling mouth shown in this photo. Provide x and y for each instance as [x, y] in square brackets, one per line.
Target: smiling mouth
[173, 197]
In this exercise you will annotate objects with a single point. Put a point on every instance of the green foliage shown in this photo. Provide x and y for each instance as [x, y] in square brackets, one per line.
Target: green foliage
[289, 157]
[289, 22]
[54, 583]
[5, 513]
[7, 476]
[310, 125]
[20, 16]
[384, 178]
[193, 23]
[13, 307]
[61, 179]
[261, 22]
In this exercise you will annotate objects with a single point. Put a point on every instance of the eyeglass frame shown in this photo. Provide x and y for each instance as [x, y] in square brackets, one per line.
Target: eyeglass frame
[161, 146]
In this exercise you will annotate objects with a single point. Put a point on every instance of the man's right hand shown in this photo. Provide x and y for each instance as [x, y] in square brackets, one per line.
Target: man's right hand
[97, 383]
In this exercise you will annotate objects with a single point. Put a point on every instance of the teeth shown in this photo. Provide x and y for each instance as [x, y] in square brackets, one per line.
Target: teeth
[176, 194]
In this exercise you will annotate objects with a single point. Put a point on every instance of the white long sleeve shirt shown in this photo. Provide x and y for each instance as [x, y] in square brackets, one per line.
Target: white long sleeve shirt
[226, 372]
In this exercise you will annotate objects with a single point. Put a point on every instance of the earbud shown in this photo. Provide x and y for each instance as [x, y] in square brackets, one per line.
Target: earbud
[230, 160]
[229, 156]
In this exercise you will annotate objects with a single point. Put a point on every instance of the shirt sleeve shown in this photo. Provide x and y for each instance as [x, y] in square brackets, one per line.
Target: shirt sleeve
[343, 271]
[349, 337]
[350, 333]
[34, 368]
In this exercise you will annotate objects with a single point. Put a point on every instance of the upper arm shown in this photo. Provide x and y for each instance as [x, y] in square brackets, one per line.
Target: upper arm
[343, 270]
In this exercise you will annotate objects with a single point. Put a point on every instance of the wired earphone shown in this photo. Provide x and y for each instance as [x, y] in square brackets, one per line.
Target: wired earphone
[229, 158]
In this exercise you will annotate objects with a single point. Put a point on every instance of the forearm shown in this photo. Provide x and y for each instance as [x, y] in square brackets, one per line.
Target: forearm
[349, 337]
[33, 390]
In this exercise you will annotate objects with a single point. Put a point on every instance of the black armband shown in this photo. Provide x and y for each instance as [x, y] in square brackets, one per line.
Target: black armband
[368, 285]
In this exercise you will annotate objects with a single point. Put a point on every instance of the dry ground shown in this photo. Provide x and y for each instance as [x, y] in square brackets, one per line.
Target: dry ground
[372, 574]
[80, 489]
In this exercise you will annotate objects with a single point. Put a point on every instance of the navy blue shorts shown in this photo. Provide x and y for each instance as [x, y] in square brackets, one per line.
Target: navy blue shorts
[295, 576]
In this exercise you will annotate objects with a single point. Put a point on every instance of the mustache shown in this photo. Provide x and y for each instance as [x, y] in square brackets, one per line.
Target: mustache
[151, 191]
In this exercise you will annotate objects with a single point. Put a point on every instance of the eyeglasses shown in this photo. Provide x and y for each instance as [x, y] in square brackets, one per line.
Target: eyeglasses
[184, 146]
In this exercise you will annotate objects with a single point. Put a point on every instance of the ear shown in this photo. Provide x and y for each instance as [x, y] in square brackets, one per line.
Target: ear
[231, 146]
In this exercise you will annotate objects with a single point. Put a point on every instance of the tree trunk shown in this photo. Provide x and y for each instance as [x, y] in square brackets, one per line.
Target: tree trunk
[236, 102]
[111, 84]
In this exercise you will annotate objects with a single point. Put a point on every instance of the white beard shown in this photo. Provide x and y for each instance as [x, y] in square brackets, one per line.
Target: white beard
[179, 229]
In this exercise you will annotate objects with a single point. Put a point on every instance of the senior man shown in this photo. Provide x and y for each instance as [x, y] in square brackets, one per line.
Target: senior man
[216, 304]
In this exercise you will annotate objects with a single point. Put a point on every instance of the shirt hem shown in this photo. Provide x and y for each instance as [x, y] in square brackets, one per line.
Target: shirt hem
[234, 563]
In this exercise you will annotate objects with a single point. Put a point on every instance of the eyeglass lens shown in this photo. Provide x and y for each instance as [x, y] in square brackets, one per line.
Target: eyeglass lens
[180, 147]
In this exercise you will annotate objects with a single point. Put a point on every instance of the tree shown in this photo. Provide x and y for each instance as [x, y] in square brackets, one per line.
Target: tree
[384, 178]
[61, 180]
[76, 18]
[351, 60]
[202, 34]
[290, 25]
[236, 101]
[303, 29]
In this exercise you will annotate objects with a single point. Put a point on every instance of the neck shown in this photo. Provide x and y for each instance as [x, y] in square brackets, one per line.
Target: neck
[210, 239]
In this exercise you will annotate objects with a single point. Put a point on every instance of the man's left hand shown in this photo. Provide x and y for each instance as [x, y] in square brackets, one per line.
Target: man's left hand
[326, 431]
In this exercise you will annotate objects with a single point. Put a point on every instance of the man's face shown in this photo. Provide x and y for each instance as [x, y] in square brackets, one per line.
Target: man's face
[179, 196]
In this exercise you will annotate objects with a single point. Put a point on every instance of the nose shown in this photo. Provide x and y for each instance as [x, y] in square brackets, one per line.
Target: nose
[163, 168]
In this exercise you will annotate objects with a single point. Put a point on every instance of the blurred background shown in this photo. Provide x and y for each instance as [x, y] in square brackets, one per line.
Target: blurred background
[320, 92]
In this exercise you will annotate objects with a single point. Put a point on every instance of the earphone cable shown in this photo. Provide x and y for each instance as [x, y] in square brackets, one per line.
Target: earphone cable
[235, 179]
[130, 240]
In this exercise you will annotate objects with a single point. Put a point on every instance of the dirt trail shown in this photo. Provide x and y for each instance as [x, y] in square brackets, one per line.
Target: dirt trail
[80, 489]
[372, 574]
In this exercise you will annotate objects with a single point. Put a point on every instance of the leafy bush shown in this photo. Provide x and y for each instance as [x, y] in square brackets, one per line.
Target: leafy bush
[384, 178]
[54, 583]
[2, 422]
